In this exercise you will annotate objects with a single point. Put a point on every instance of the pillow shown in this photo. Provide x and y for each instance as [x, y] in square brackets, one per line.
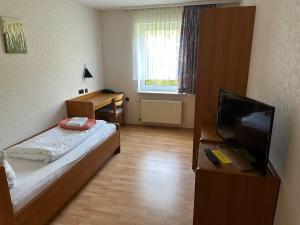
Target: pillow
[10, 174]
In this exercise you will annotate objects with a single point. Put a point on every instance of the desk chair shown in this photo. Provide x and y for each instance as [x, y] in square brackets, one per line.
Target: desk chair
[113, 112]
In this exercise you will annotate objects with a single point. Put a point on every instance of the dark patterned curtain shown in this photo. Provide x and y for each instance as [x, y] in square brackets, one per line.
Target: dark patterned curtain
[190, 27]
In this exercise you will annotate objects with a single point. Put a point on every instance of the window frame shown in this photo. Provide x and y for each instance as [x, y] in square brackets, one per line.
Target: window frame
[142, 87]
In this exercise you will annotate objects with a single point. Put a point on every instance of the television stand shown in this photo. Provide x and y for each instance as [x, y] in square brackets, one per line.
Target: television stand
[226, 195]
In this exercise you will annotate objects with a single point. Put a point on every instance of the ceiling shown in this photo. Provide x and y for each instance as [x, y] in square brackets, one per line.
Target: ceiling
[118, 4]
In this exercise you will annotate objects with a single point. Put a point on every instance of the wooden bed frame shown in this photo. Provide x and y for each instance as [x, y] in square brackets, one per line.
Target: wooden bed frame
[48, 204]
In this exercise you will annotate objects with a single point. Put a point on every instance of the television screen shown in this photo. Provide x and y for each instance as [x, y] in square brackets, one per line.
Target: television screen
[246, 124]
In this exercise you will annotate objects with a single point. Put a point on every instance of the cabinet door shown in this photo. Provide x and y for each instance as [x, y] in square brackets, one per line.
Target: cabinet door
[224, 52]
[223, 198]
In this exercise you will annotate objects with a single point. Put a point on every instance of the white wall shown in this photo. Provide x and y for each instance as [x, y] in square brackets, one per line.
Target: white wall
[61, 36]
[275, 78]
[117, 66]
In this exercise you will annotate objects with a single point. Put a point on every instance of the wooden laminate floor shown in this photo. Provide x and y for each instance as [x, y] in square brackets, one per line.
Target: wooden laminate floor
[149, 183]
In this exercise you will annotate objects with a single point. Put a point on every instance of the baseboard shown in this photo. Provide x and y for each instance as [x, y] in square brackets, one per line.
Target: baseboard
[158, 126]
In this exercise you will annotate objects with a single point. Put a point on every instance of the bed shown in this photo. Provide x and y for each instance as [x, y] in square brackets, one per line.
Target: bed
[43, 190]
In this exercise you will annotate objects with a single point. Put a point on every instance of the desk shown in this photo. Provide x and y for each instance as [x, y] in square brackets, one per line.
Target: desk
[86, 105]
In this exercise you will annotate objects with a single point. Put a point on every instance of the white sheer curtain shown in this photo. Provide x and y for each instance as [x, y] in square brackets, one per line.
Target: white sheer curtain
[156, 43]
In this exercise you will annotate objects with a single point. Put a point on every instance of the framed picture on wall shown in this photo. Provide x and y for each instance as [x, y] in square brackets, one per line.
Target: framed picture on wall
[14, 37]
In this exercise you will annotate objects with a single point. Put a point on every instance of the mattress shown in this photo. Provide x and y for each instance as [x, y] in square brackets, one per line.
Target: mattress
[33, 177]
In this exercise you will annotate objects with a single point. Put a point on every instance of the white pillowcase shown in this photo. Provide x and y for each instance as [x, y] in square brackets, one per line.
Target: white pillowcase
[10, 174]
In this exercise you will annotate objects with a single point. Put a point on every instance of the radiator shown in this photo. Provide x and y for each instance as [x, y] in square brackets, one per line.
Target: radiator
[161, 111]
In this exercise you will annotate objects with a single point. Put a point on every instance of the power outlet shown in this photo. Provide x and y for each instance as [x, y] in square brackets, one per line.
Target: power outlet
[81, 91]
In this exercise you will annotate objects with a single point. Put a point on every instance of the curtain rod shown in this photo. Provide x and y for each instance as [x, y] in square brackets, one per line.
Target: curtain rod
[182, 4]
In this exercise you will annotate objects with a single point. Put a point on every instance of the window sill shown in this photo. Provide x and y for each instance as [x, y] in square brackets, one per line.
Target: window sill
[160, 92]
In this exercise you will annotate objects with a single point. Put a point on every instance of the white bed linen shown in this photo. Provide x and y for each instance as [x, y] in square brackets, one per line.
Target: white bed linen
[52, 144]
[35, 176]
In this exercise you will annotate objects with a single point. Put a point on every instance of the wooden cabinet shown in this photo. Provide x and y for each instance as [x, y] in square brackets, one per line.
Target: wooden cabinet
[226, 196]
[224, 51]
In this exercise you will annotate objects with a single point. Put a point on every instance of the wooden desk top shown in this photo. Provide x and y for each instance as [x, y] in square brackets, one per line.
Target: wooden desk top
[98, 99]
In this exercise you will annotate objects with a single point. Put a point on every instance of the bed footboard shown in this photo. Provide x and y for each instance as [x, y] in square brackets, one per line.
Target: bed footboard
[6, 208]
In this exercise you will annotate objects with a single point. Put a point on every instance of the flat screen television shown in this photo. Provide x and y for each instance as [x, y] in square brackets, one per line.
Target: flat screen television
[246, 124]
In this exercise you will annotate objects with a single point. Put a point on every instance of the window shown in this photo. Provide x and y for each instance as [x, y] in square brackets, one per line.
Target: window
[156, 49]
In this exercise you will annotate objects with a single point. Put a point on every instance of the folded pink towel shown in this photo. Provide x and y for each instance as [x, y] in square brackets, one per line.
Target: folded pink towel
[88, 125]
